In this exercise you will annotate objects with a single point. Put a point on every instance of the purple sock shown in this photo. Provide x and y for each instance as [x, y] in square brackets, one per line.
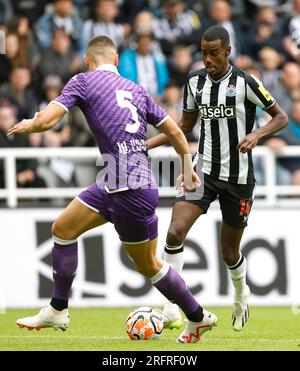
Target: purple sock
[65, 259]
[174, 288]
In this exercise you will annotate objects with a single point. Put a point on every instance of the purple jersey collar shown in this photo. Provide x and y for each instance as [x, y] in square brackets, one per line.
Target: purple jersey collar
[108, 68]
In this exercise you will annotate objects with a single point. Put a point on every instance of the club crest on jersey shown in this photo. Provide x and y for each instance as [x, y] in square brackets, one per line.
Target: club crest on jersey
[180, 192]
[218, 112]
[231, 91]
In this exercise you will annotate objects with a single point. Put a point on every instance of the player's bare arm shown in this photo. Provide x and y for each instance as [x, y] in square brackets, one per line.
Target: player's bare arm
[178, 140]
[187, 123]
[278, 122]
[42, 121]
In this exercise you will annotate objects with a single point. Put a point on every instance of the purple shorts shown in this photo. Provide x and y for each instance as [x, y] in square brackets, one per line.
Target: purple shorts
[132, 212]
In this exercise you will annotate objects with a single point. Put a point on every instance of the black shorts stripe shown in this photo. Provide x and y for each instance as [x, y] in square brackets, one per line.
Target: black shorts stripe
[233, 136]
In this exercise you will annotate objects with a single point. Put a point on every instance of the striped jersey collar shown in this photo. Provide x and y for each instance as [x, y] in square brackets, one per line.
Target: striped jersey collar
[108, 68]
[223, 77]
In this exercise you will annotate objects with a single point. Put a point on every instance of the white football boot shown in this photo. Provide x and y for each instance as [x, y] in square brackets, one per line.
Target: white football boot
[194, 330]
[47, 317]
[241, 312]
[172, 316]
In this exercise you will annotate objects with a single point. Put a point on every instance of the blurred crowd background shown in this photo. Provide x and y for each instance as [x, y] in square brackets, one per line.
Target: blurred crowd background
[159, 44]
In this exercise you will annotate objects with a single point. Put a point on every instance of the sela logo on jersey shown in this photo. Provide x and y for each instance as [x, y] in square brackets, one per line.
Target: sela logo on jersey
[219, 112]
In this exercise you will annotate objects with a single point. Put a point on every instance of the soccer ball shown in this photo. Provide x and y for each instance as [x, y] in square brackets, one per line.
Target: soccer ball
[144, 323]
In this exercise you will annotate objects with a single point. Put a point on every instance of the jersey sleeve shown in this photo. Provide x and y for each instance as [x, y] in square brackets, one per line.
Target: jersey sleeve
[73, 93]
[156, 116]
[189, 103]
[257, 94]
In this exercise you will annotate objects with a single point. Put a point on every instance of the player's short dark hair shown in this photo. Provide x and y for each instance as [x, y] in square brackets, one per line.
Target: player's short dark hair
[214, 33]
[102, 46]
[101, 41]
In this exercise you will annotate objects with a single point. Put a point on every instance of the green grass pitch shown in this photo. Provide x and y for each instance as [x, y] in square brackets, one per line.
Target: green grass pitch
[269, 328]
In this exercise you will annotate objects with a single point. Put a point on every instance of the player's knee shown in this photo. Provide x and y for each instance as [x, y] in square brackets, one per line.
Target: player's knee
[176, 235]
[59, 231]
[149, 270]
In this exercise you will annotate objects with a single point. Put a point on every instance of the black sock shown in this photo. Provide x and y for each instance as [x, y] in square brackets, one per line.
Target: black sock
[196, 316]
[59, 304]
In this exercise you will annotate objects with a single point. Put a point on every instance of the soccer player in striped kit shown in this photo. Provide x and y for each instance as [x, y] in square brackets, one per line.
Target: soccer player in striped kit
[223, 99]
[117, 111]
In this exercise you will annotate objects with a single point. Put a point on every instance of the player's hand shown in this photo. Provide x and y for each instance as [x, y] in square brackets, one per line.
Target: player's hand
[248, 143]
[25, 126]
[25, 176]
[189, 182]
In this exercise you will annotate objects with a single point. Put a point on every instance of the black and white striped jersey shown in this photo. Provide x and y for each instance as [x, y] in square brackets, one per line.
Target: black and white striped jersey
[226, 113]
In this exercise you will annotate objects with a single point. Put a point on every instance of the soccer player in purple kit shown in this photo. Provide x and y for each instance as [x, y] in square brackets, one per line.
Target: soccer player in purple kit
[117, 111]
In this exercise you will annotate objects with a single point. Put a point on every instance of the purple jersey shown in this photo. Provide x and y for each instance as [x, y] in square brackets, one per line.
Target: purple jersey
[118, 112]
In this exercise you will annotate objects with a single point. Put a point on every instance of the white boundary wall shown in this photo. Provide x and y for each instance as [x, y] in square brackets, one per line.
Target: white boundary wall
[271, 244]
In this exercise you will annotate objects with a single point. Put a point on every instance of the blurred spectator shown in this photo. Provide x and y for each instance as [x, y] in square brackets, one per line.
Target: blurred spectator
[154, 7]
[60, 59]
[291, 41]
[243, 61]
[220, 13]
[180, 64]
[288, 88]
[60, 134]
[62, 16]
[251, 6]
[144, 20]
[177, 26]
[283, 174]
[105, 24]
[61, 171]
[6, 11]
[267, 30]
[85, 8]
[18, 92]
[171, 101]
[291, 136]
[288, 168]
[52, 87]
[26, 168]
[11, 56]
[143, 66]
[129, 9]
[270, 61]
[28, 53]
[30, 9]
